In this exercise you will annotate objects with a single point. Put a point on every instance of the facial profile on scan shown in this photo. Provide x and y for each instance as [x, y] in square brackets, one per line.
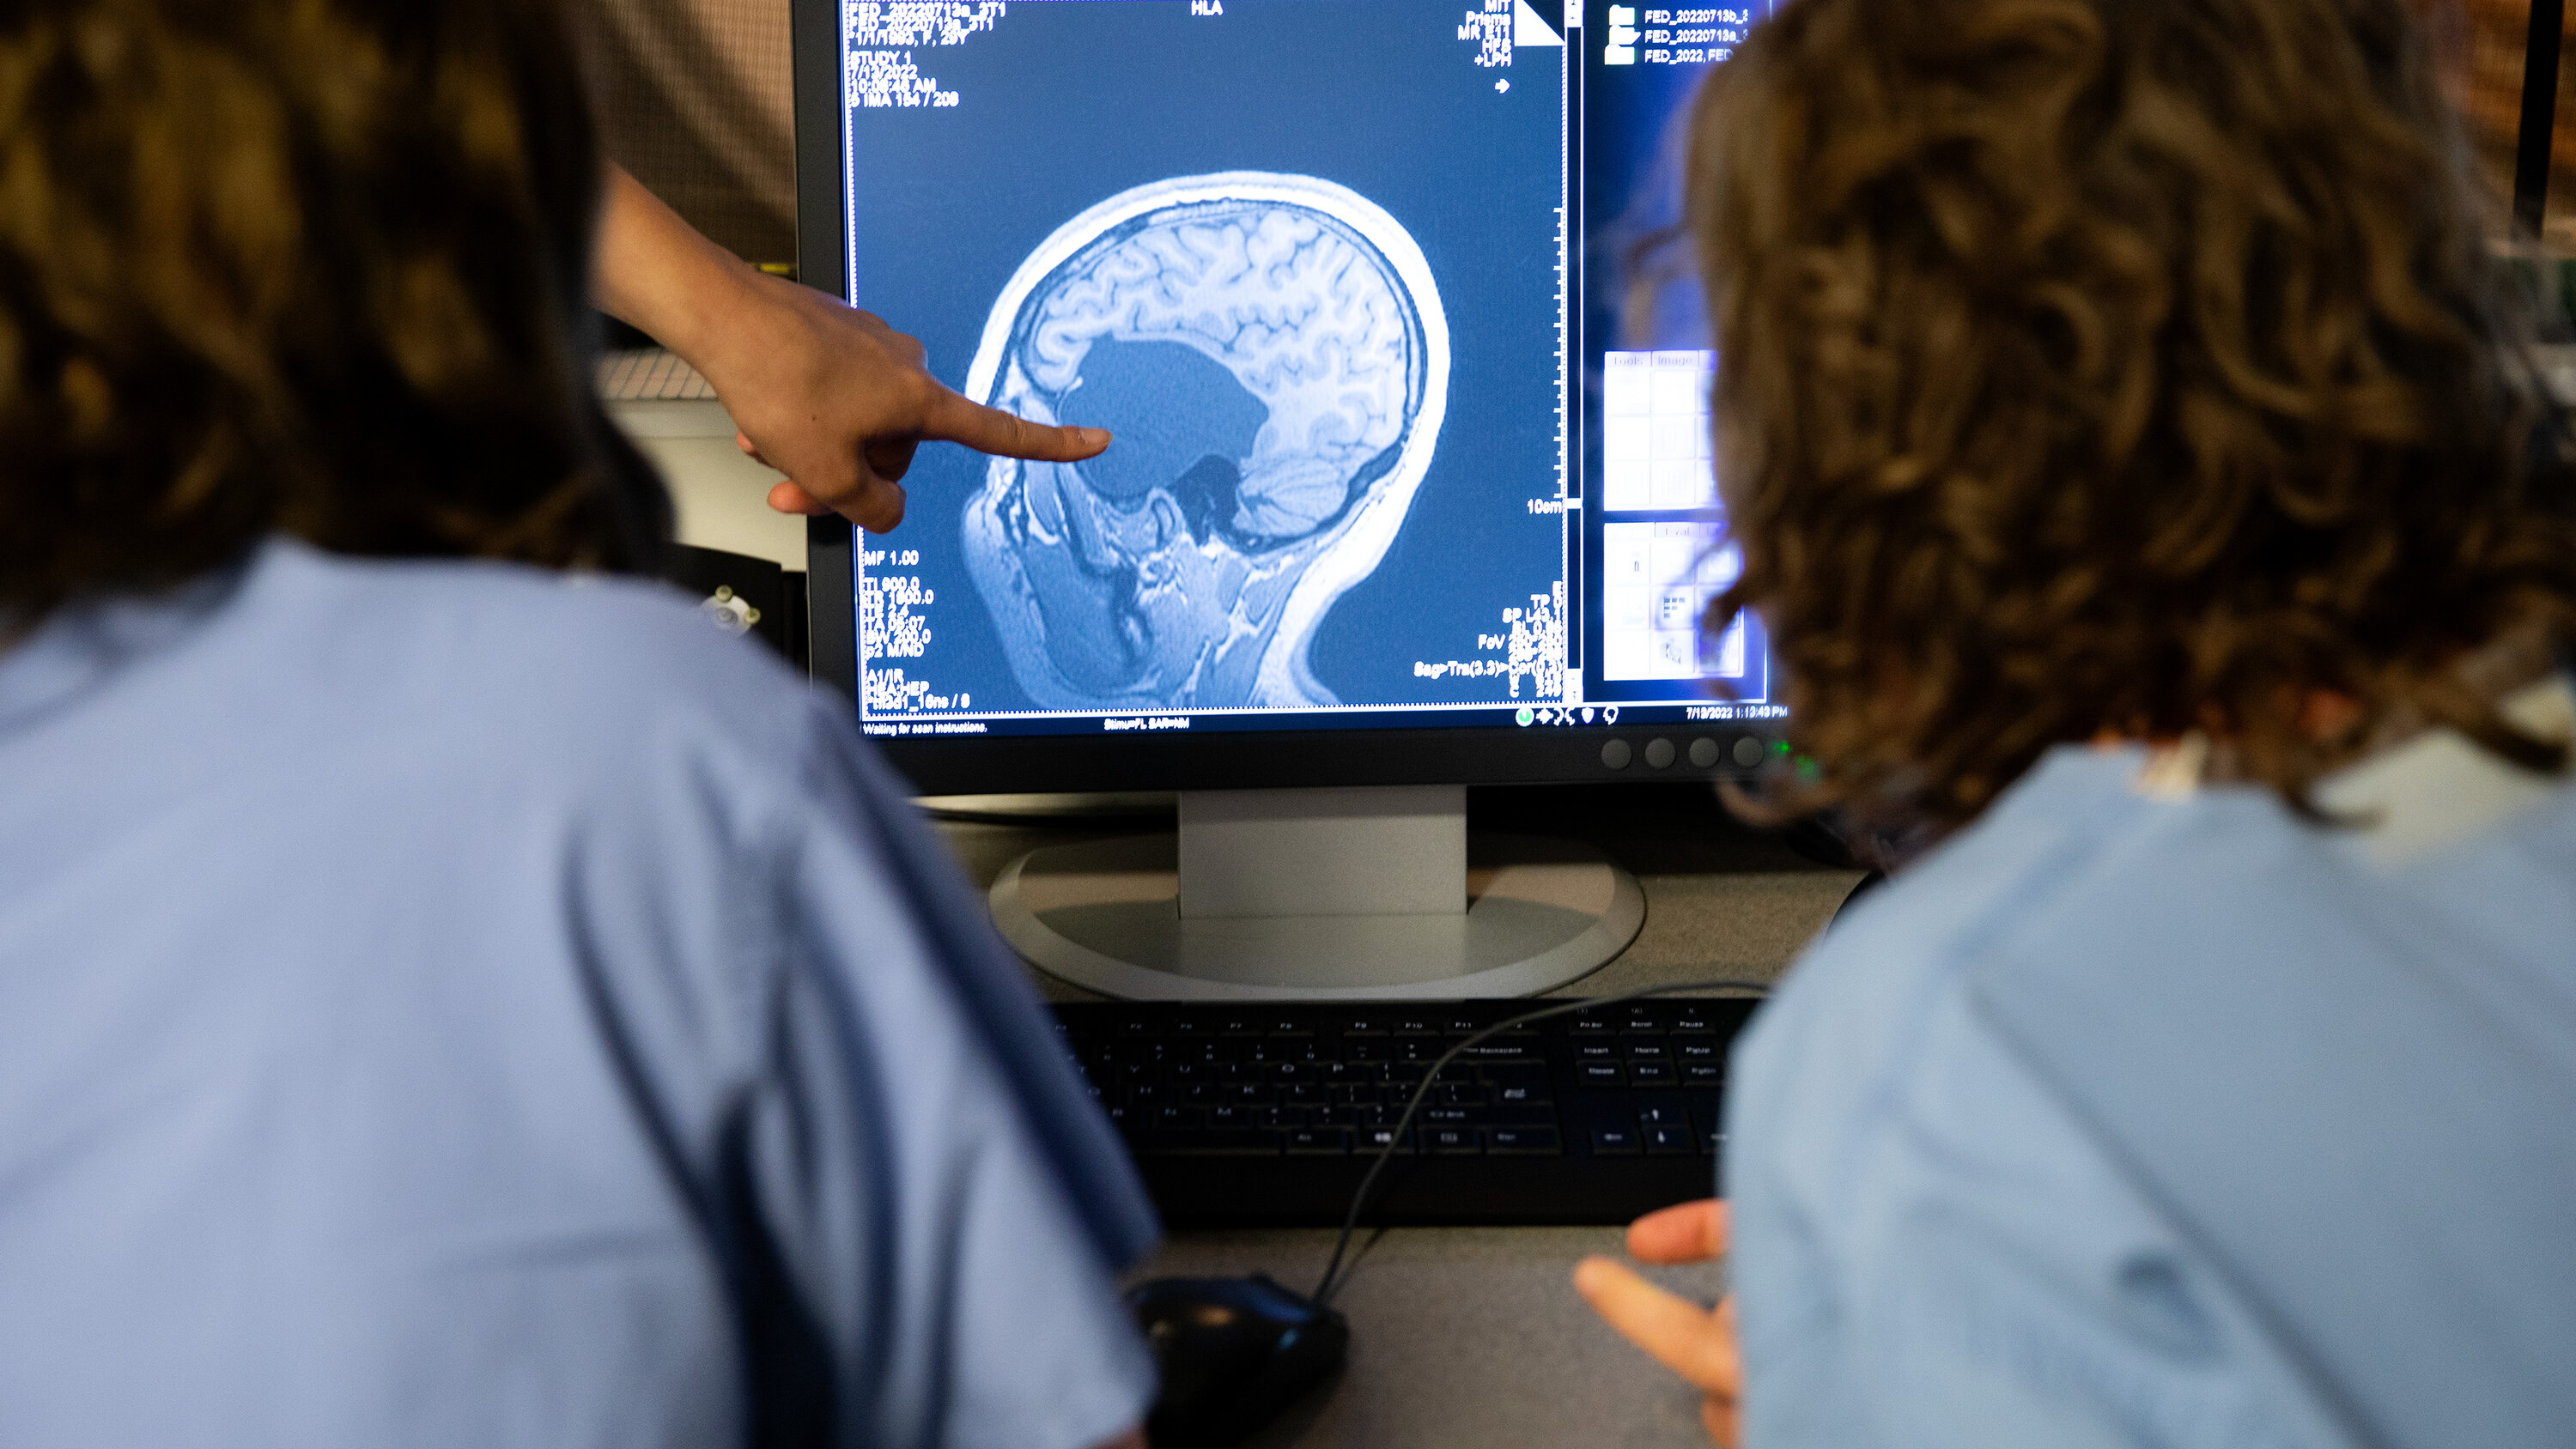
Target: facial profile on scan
[1270, 352]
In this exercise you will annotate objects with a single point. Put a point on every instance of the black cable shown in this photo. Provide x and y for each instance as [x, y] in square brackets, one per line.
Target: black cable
[1332, 1279]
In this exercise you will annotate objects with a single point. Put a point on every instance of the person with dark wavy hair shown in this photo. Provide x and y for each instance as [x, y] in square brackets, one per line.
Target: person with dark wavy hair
[449, 995]
[2143, 474]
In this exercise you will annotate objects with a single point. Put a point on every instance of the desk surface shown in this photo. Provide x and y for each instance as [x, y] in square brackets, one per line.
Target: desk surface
[1474, 1335]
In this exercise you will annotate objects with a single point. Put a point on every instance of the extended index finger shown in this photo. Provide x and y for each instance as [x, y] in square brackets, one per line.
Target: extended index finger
[1681, 1335]
[1690, 1233]
[953, 419]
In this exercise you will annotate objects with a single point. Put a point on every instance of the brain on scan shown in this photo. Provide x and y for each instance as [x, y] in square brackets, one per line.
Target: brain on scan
[1269, 352]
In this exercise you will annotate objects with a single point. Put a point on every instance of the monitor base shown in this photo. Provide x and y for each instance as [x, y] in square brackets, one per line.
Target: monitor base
[1106, 916]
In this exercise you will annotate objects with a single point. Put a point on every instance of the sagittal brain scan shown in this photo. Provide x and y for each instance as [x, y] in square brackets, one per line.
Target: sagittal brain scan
[1270, 352]
[1307, 262]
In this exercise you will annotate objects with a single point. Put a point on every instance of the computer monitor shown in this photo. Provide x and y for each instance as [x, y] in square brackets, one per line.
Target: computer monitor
[1407, 494]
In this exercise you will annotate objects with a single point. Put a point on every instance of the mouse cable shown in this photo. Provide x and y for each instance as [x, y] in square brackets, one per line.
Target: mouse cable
[1333, 1277]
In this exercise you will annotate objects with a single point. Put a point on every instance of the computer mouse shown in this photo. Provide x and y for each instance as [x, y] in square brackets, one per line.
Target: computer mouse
[1234, 1353]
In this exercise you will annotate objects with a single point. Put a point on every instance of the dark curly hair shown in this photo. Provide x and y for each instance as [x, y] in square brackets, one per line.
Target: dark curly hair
[317, 267]
[2125, 367]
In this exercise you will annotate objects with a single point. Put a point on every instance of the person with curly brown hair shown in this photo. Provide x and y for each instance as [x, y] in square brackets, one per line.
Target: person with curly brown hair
[449, 995]
[2145, 480]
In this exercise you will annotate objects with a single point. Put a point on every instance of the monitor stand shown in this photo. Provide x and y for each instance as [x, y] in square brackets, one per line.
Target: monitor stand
[1284, 895]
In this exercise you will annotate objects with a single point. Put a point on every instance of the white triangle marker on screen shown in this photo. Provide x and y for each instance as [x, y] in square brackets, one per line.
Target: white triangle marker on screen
[1531, 28]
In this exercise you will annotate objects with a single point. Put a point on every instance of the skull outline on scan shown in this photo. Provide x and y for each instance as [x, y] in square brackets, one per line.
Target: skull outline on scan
[1271, 352]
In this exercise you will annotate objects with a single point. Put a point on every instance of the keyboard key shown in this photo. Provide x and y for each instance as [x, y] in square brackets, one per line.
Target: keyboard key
[1661, 1114]
[1652, 1074]
[1500, 1051]
[1216, 1144]
[1452, 1141]
[1586, 1024]
[1319, 1142]
[1596, 1051]
[1705, 1076]
[1654, 1047]
[1489, 1116]
[1518, 1084]
[1364, 1026]
[1669, 1142]
[1600, 1075]
[1375, 1139]
[1712, 1132]
[1614, 1142]
[1697, 1049]
[1523, 1142]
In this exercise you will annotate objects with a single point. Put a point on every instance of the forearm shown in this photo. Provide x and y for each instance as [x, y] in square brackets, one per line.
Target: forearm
[658, 275]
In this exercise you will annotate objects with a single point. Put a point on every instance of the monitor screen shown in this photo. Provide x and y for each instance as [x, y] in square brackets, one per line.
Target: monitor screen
[1350, 282]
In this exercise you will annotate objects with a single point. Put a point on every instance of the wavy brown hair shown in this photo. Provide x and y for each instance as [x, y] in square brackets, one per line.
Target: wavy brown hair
[317, 267]
[2115, 366]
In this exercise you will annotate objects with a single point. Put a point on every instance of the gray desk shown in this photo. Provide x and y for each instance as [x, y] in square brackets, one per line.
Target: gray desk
[1474, 1336]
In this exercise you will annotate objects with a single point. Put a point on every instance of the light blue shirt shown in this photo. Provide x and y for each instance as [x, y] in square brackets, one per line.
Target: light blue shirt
[453, 1005]
[2137, 1117]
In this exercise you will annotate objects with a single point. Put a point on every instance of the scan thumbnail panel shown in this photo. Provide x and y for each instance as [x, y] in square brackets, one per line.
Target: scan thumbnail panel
[1304, 259]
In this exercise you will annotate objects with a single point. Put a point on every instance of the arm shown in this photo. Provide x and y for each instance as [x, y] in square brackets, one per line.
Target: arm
[824, 393]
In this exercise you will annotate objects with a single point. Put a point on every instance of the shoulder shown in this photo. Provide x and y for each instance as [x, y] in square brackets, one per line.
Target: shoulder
[1923, 1220]
[542, 668]
[1842, 1031]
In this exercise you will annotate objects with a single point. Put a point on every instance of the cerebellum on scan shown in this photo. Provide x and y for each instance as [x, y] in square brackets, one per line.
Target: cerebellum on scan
[1271, 354]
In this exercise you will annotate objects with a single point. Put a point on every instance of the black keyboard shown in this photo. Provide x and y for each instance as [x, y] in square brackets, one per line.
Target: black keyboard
[1270, 1116]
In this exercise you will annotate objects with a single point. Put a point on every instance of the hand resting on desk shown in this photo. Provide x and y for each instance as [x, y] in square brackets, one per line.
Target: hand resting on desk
[1697, 1343]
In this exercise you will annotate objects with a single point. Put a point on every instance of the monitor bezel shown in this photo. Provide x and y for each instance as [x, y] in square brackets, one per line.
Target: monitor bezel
[1227, 760]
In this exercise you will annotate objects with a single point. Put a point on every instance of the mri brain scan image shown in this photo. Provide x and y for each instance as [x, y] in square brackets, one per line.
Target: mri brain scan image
[1270, 352]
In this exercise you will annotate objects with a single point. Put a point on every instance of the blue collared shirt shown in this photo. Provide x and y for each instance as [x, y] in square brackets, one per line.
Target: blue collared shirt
[2153, 1117]
[455, 1005]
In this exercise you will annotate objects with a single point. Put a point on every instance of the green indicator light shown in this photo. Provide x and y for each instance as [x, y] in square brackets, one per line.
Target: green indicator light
[1780, 747]
[1524, 716]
